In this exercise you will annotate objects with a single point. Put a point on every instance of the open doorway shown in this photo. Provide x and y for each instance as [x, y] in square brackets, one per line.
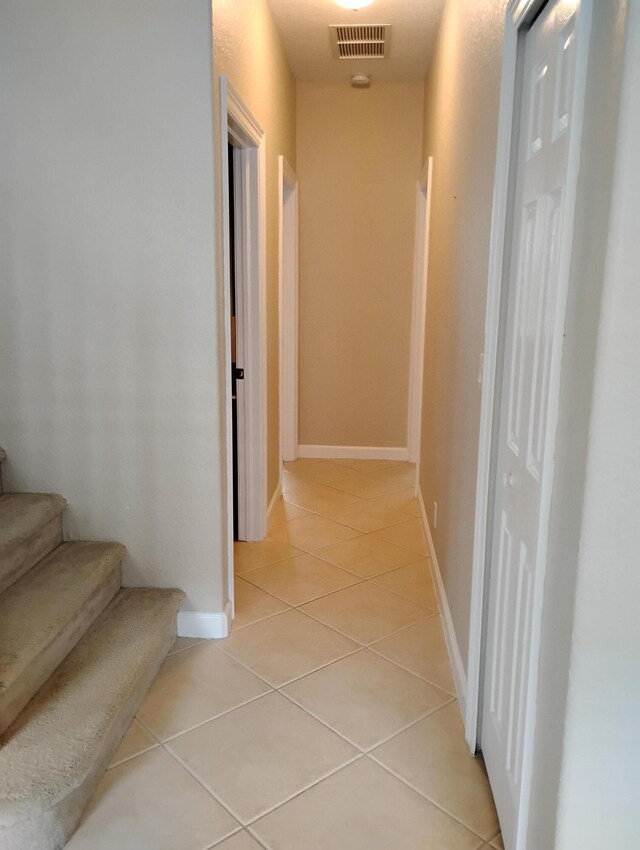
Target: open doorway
[244, 235]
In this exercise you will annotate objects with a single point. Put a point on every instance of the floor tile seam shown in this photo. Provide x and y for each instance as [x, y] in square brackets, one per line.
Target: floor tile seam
[311, 551]
[392, 465]
[185, 648]
[246, 580]
[172, 755]
[296, 605]
[429, 799]
[217, 716]
[419, 555]
[258, 841]
[315, 717]
[408, 670]
[405, 513]
[393, 488]
[266, 566]
[236, 629]
[245, 824]
[153, 746]
[241, 663]
[396, 464]
[270, 564]
[357, 648]
[362, 750]
[401, 595]
[406, 628]
[363, 530]
[290, 500]
[306, 480]
[316, 554]
[248, 826]
[209, 791]
[218, 843]
[356, 640]
[423, 716]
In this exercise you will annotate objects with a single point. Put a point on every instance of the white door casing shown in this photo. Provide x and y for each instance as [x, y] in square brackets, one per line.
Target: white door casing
[240, 128]
[513, 511]
[288, 183]
[418, 314]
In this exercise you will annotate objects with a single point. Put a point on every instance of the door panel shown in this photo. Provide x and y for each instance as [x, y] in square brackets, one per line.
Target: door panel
[531, 295]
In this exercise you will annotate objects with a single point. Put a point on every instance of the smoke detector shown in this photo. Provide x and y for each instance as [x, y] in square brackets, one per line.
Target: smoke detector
[360, 42]
[361, 81]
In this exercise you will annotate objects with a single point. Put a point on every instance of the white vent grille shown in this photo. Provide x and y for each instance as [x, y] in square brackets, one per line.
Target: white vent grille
[370, 42]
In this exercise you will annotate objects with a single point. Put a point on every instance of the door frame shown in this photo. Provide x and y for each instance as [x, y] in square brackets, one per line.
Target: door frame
[238, 126]
[288, 264]
[419, 314]
[519, 15]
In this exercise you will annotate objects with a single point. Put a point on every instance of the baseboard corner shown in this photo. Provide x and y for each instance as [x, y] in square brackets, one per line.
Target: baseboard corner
[205, 624]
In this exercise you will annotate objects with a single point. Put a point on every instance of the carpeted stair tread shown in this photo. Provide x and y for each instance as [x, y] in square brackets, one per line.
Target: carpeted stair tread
[23, 514]
[58, 747]
[46, 612]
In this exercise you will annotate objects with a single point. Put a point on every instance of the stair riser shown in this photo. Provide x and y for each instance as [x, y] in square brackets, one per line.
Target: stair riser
[52, 829]
[28, 553]
[14, 700]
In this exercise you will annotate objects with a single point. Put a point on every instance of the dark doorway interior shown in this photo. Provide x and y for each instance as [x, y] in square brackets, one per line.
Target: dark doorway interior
[232, 301]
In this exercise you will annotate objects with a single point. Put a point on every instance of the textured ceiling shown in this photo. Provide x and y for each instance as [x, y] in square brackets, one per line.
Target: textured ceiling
[304, 27]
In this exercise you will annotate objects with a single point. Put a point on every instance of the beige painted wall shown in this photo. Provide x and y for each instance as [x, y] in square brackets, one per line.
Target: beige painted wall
[359, 158]
[588, 666]
[109, 374]
[248, 50]
[460, 131]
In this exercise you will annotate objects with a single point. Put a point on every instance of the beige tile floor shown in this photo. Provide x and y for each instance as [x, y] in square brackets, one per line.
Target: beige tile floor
[327, 720]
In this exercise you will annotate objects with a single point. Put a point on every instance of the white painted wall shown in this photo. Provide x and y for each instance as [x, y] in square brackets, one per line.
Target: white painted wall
[109, 376]
[599, 802]
[588, 283]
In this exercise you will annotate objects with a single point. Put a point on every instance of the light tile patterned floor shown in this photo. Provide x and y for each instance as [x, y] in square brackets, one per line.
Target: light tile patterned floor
[327, 720]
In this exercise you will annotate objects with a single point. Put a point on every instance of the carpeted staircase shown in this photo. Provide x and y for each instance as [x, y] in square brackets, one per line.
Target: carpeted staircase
[77, 655]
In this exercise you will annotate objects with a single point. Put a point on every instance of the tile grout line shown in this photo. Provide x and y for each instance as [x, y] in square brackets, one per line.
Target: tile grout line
[358, 757]
[360, 580]
[236, 817]
[425, 796]
[290, 681]
[413, 672]
[217, 716]
[386, 740]
[364, 645]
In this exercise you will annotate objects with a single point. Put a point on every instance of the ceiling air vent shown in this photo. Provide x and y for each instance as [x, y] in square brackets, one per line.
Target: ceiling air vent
[367, 42]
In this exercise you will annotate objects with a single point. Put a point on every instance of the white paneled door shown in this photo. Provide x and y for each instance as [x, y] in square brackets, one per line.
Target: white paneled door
[525, 430]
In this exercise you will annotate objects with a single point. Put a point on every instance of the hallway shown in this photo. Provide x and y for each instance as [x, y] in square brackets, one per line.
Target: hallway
[328, 717]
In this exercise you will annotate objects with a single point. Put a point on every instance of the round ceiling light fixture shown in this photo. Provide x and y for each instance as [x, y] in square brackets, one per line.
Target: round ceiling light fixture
[354, 4]
[361, 81]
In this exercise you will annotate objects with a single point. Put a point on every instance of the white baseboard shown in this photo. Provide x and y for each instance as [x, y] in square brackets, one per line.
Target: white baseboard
[274, 499]
[204, 624]
[355, 452]
[455, 659]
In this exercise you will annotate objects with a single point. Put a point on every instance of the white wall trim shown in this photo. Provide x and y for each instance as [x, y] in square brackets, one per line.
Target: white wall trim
[419, 311]
[355, 452]
[274, 499]
[455, 659]
[239, 126]
[205, 624]
[288, 265]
